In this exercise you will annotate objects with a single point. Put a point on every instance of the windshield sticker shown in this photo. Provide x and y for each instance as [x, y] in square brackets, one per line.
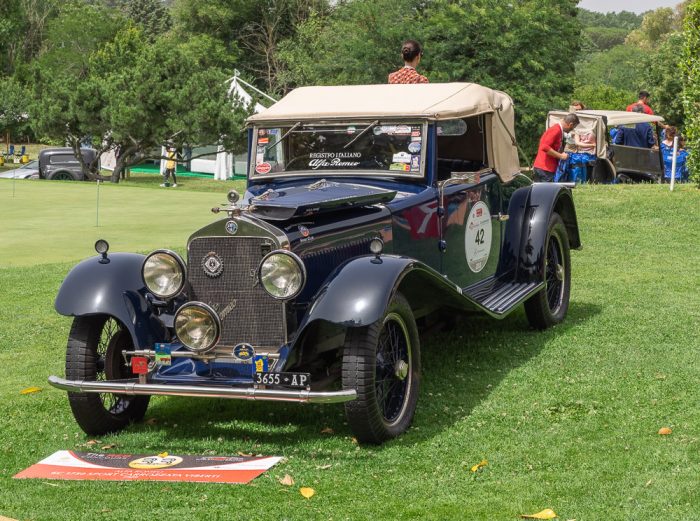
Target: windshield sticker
[403, 129]
[263, 168]
[334, 159]
[415, 163]
[404, 167]
[263, 140]
[415, 133]
[477, 237]
[401, 157]
[414, 147]
[351, 130]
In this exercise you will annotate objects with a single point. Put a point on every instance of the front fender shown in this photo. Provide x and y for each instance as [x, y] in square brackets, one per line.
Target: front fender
[357, 293]
[545, 199]
[114, 288]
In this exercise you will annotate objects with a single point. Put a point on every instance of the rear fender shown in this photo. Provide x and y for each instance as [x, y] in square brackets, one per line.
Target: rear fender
[545, 199]
[113, 288]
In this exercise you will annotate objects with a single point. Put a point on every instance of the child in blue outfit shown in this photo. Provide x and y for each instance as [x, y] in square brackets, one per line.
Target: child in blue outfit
[681, 155]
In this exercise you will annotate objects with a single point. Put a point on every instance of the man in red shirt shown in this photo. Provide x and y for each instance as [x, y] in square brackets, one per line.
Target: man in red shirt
[643, 98]
[411, 53]
[548, 153]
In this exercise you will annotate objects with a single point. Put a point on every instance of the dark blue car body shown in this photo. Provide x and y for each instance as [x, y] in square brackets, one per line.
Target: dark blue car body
[382, 255]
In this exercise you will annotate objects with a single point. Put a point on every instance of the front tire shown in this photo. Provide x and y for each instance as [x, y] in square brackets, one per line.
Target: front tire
[550, 305]
[382, 363]
[95, 346]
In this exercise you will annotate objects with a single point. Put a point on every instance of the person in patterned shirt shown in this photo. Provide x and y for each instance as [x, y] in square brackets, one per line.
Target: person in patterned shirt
[411, 53]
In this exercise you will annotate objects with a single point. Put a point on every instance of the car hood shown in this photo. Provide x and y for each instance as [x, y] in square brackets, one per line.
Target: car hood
[279, 204]
[19, 173]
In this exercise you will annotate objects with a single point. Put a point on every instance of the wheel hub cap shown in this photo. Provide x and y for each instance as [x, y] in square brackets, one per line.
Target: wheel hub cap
[560, 272]
[401, 370]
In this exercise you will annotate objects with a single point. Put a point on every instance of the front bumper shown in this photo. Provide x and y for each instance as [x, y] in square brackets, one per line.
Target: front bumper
[133, 387]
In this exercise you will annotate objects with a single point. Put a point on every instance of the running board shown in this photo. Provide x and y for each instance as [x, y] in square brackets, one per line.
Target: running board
[500, 297]
[240, 393]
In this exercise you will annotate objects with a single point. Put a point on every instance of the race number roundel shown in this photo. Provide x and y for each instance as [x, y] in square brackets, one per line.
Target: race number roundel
[477, 237]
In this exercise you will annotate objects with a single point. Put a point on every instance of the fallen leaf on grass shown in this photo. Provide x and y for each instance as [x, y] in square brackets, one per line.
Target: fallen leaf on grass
[665, 431]
[3, 518]
[92, 442]
[151, 421]
[479, 465]
[30, 390]
[307, 492]
[243, 454]
[324, 467]
[327, 430]
[287, 480]
[547, 513]
[109, 446]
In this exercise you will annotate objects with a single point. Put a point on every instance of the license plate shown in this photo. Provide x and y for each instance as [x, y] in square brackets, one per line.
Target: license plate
[290, 380]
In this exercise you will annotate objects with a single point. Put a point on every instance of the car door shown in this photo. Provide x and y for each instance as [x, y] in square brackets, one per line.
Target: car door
[471, 228]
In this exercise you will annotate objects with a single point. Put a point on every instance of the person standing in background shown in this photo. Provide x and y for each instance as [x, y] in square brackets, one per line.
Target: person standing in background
[643, 101]
[170, 166]
[548, 153]
[411, 52]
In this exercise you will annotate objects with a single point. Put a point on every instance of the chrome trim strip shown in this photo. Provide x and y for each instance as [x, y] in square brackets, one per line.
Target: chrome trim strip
[241, 393]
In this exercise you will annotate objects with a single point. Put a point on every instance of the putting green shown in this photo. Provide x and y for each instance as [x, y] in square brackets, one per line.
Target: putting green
[65, 215]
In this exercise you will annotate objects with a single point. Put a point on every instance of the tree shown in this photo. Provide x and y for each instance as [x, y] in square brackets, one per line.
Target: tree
[621, 68]
[691, 84]
[13, 106]
[663, 78]
[152, 16]
[250, 30]
[22, 27]
[656, 26]
[59, 76]
[525, 48]
[603, 97]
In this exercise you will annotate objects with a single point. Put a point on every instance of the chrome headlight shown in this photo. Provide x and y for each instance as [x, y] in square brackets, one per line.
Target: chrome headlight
[197, 326]
[164, 274]
[282, 274]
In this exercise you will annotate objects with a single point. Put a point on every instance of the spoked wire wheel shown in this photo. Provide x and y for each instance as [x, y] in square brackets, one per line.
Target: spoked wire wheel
[382, 363]
[550, 305]
[94, 353]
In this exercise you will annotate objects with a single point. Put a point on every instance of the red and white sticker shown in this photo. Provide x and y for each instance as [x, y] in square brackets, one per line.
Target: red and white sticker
[477, 236]
[263, 168]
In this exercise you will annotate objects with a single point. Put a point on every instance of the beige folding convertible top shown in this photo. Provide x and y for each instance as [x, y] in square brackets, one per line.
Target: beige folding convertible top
[431, 101]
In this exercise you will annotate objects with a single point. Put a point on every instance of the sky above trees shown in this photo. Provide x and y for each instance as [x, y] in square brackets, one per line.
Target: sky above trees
[635, 6]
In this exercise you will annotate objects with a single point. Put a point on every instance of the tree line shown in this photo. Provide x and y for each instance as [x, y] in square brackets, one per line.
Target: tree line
[131, 74]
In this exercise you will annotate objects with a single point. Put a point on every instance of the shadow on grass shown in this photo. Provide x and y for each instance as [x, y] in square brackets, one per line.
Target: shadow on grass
[460, 369]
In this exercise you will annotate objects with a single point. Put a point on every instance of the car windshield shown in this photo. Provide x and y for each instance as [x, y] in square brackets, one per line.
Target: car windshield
[368, 147]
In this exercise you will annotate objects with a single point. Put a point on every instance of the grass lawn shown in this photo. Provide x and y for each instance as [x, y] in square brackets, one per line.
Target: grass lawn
[567, 419]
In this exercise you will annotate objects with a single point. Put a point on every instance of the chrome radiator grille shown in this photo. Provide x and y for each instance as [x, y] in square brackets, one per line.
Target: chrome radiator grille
[248, 314]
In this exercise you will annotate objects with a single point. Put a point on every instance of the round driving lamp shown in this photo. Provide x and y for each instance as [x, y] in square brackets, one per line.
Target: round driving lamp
[376, 246]
[282, 274]
[163, 273]
[197, 326]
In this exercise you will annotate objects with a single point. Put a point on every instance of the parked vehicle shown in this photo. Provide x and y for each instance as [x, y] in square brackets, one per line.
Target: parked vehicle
[60, 164]
[27, 171]
[617, 163]
[370, 211]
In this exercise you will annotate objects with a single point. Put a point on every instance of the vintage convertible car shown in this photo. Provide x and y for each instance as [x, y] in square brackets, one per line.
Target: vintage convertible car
[369, 211]
[617, 163]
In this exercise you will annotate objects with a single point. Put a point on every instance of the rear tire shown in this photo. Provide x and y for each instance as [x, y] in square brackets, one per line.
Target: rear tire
[62, 176]
[95, 346]
[382, 363]
[550, 305]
